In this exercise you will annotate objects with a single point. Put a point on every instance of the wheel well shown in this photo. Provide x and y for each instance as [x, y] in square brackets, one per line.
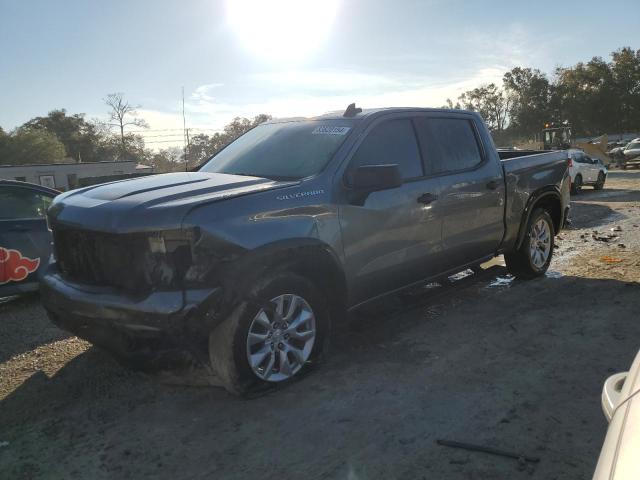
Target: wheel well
[321, 268]
[314, 262]
[552, 205]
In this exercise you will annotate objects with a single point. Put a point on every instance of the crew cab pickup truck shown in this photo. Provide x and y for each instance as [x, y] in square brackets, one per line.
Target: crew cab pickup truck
[246, 262]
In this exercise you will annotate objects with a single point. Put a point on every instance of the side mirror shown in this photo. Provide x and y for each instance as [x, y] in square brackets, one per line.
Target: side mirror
[373, 178]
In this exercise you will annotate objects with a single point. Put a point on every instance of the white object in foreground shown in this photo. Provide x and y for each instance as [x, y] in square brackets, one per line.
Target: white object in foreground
[621, 405]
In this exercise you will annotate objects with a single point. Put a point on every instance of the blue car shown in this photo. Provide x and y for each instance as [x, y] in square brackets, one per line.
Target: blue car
[25, 240]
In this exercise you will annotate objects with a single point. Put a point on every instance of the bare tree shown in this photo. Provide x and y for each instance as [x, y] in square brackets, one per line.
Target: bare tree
[123, 114]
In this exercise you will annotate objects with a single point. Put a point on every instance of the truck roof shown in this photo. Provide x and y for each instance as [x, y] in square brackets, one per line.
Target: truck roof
[19, 183]
[365, 113]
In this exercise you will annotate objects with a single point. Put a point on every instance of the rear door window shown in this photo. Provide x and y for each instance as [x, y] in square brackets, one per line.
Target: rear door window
[447, 144]
[391, 142]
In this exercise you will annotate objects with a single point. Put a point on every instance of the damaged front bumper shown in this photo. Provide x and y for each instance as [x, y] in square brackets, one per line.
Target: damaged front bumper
[132, 327]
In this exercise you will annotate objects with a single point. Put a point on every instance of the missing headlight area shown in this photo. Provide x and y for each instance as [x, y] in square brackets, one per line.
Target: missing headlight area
[135, 262]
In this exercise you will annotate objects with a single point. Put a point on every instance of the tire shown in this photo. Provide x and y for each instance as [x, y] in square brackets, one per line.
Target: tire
[526, 264]
[576, 185]
[257, 318]
[600, 183]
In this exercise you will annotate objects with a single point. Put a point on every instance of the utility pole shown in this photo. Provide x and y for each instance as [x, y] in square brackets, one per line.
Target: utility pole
[186, 154]
[185, 134]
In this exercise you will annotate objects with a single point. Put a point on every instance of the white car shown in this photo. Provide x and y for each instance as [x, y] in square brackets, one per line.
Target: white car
[585, 170]
[632, 150]
[619, 458]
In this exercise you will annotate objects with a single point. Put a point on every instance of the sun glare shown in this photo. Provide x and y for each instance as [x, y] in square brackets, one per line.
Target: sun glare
[281, 30]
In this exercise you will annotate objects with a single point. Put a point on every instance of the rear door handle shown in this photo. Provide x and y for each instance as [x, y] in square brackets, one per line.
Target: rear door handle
[427, 198]
[492, 185]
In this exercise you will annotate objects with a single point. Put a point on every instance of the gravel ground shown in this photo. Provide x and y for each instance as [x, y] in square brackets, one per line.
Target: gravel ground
[509, 364]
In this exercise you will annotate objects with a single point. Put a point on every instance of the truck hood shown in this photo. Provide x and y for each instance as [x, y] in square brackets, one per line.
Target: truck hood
[150, 203]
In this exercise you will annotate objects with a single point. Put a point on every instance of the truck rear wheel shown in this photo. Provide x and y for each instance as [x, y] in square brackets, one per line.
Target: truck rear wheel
[576, 185]
[271, 336]
[533, 257]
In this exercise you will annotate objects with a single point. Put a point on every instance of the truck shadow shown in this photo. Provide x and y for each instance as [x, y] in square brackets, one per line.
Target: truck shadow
[370, 324]
[624, 175]
[590, 215]
[25, 326]
[608, 195]
[437, 355]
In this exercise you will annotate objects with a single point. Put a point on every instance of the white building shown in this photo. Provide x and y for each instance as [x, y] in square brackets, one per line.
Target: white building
[65, 176]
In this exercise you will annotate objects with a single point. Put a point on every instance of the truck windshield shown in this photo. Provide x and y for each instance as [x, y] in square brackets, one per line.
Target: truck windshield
[282, 151]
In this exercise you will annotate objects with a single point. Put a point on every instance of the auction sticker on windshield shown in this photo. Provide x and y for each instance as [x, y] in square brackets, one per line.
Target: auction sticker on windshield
[329, 130]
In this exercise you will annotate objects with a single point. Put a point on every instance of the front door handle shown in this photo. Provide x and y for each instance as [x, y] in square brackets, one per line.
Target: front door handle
[492, 185]
[427, 198]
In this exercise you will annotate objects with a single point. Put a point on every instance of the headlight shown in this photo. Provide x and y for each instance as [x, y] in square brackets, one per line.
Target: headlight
[169, 256]
[170, 240]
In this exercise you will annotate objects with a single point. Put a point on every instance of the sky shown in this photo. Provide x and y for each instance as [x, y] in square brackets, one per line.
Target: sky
[282, 57]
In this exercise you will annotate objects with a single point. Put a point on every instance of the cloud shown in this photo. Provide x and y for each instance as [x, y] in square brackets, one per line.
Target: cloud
[304, 94]
[202, 92]
[326, 81]
[423, 79]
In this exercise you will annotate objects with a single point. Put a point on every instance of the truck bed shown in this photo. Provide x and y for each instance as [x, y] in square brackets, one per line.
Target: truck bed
[525, 172]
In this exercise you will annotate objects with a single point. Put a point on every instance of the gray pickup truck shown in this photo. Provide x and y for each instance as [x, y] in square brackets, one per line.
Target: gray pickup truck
[246, 262]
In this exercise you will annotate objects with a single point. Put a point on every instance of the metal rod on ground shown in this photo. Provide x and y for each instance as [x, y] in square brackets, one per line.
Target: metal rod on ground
[490, 450]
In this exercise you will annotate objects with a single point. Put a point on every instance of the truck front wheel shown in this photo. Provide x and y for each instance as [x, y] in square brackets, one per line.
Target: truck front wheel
[533, 257]
[271, 336]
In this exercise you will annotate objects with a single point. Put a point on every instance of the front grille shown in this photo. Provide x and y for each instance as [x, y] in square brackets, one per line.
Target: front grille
[95, 258]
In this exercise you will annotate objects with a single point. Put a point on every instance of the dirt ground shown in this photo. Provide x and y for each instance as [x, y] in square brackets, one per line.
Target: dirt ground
[513, 365]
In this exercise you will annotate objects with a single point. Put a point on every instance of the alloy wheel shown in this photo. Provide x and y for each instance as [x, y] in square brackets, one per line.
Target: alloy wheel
[540, 243]
[281, 338]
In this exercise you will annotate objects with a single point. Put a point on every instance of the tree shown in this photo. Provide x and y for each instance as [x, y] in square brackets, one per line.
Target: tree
[585, 97]
[78, 136]
[599, 96]
[24, 146]
[530, 93]
[240, 125]
[203, 147]
[449, 105]
[124, 115]
[625, 71]
[595, 97]
[490, 102]
[167, 160]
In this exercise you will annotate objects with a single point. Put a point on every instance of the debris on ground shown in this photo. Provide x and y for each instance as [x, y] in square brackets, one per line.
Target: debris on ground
[490, 450]
[617, 228]
[605, 238]
[608, 259]
[622, 245]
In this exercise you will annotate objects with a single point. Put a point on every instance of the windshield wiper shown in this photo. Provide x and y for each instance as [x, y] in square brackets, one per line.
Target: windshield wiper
[276, 178]
[282, 178]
